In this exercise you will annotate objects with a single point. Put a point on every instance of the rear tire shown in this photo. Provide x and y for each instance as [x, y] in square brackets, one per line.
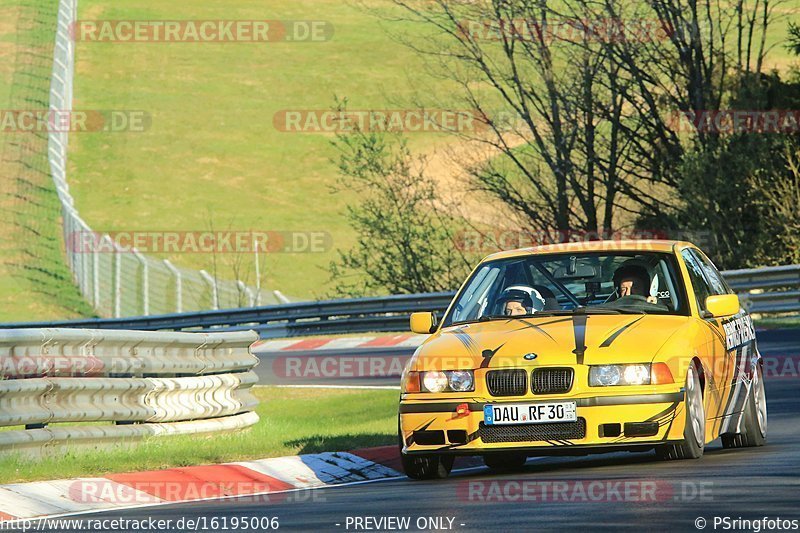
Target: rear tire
[754, 418]
[508, 461]
[694, 432]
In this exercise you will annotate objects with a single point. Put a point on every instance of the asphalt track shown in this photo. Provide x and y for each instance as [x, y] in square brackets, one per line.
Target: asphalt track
[738, 484]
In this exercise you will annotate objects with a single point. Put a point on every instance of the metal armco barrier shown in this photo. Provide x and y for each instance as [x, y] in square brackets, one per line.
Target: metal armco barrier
[142, 383]
[332, 317]
[763, 290]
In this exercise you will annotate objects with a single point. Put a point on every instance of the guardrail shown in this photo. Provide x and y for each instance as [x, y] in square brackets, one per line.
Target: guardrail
[142, 383]
[331, 317]
[767, 290]
[757, 289]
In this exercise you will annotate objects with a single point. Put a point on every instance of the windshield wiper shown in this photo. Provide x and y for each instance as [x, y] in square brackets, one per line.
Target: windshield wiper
[487, 318]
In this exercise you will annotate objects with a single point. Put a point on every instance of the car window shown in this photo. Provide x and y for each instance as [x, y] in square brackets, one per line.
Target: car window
[611, 282]
[715, 280]
[701, 287]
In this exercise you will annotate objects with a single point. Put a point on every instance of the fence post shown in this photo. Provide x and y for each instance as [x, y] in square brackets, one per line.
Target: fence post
[96, 275]
[178, 286]
[117, 279]
[212, 283]
[145, 282]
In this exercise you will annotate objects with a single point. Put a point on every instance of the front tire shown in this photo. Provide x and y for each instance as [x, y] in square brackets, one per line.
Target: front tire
[429, 466]
[754, 418]
[694, 433]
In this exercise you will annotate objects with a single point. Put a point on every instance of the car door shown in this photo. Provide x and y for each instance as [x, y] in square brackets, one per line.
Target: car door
[737, 338]
[713, 353]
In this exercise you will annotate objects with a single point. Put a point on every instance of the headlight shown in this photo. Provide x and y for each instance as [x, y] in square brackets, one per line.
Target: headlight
[440, 381]
[434, 381]
[461, 380]
[614, 375]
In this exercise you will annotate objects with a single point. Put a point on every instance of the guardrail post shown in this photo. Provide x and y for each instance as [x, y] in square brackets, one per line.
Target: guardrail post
[178, 286]
[212, 283]
[145, 282]
[246, 291]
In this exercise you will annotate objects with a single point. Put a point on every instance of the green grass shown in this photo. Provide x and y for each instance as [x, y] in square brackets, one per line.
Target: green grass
[293, 421]
[212, 146]
[778, 322]
[34, 280]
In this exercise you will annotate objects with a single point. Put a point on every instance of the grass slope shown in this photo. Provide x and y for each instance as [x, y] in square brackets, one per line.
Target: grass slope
[212, 147]
[34, 280]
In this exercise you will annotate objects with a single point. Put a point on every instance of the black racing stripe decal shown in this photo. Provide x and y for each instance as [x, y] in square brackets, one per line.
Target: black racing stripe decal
[714, 326]
[538, 329]
[663, 414]
[674, 398]
[674, 416]
[488, 354]
[733, 383]
[579, 328]
[560, 320]
[606, 343]
[466, 340]
[410, 438]
[437, 407]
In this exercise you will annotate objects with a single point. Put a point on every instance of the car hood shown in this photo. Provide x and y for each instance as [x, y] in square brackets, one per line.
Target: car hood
[552, 340]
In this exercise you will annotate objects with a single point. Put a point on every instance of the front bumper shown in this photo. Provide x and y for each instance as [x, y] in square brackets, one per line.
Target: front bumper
[605, 423]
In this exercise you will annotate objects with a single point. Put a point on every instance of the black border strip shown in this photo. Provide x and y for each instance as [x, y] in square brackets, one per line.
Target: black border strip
[597, 401]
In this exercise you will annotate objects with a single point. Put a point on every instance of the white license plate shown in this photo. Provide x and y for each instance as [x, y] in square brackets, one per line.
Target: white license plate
[529, 413]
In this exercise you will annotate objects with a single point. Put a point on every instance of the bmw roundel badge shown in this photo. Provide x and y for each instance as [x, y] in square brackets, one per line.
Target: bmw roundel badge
[530, 356]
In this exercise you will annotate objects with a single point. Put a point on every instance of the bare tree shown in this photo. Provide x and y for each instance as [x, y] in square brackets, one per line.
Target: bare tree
[596, 86]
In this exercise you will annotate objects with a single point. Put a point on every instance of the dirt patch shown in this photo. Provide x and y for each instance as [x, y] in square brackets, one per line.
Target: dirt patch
[450, 165]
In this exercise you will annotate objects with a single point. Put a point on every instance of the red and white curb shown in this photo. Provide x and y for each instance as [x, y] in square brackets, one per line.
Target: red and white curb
[276, 476]
[340, 343]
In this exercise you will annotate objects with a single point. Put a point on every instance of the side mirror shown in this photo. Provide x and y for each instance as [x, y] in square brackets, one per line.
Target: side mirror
[423, 322]
[721, 305]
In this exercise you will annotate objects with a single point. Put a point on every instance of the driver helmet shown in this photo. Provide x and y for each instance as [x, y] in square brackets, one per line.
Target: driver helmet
[529, 297]
[633, 270]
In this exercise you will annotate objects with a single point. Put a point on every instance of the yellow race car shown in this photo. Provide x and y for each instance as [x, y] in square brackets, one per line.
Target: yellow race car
[583, 348]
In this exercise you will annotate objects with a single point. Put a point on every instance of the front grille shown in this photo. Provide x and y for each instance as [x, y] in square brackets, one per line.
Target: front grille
[507, 382]
[551, 380]
[533, 432]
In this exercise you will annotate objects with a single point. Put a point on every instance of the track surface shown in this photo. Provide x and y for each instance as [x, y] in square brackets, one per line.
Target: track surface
[750, 484]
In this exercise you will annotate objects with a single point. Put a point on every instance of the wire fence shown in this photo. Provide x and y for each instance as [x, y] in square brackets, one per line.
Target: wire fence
[114, 281]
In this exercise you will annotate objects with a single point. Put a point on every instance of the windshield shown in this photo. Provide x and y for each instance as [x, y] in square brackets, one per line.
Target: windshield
[618, 282]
